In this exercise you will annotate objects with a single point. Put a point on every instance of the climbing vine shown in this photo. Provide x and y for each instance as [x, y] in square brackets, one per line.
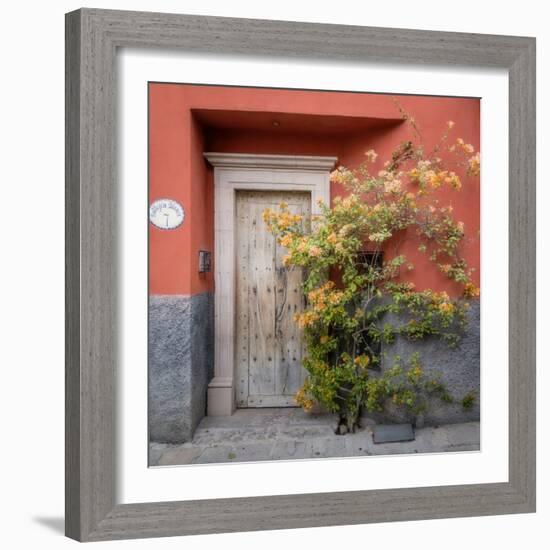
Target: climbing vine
[356, 301]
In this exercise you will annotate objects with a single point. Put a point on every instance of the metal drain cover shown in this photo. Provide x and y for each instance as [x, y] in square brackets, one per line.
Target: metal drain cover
[392, 433]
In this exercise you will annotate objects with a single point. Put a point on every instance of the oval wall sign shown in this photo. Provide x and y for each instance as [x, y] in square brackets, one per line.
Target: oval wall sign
[166, 214]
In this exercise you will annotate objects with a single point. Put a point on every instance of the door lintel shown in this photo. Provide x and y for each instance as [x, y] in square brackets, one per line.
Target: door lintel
[253, 161]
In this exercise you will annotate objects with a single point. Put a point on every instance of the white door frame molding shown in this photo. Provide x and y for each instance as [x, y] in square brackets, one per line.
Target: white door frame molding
[233, 172]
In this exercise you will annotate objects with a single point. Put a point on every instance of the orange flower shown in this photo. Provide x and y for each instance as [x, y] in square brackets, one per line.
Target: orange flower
[474, 165]
[332, 238]
[371, 155]
[306, 319]
[302, 247]
[471, 290]
[286, 240]
[446, 307]
[303, 400]
[315, 251]
[362, 361]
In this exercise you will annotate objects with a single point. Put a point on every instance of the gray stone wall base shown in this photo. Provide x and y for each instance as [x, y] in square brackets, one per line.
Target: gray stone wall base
[181, 363]
[458, 368]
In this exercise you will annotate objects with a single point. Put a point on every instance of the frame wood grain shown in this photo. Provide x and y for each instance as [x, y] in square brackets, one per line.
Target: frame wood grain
[92, 38]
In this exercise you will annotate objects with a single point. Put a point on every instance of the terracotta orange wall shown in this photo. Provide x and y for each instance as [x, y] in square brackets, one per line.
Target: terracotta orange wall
[177, 168]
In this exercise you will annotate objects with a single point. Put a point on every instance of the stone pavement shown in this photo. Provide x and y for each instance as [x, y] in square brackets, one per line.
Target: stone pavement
[289, 434]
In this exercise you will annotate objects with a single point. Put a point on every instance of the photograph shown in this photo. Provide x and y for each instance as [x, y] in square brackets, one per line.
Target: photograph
[271, 275]
[313, 274]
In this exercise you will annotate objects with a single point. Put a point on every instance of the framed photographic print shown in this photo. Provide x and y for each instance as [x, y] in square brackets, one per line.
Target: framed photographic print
[300, 275]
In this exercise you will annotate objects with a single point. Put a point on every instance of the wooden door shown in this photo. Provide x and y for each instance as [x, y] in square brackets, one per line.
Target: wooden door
[268, 343]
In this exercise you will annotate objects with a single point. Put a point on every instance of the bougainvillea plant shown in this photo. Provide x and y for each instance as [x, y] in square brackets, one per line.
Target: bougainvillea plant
[354, 301]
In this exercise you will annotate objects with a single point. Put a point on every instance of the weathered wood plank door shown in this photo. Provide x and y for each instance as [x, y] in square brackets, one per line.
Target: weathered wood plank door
[268, 344]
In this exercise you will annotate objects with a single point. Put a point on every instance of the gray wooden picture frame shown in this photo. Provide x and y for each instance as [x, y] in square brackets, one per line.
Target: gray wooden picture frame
[92, 38]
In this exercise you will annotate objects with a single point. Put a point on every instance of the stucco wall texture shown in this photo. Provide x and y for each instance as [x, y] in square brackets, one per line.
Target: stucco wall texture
[457, 367]
[186, 120]
[181, 360]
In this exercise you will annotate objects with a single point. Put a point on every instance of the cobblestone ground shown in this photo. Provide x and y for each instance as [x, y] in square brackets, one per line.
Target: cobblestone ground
[289, 434]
